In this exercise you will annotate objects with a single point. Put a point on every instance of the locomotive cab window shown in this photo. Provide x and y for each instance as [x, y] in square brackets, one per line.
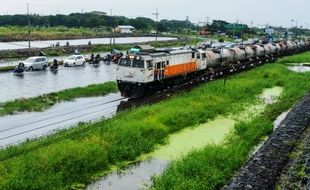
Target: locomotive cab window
[149, 64]
[125, 62]
[138, 63]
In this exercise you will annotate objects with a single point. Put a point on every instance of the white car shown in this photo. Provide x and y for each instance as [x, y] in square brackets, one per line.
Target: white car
[74, 60]
[33, 63]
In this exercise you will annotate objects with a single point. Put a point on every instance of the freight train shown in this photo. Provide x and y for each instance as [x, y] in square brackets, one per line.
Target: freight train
[145, 69]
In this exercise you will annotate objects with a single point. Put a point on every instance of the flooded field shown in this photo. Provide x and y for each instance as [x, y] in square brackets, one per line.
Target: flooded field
[36, 83]
[15, 129]
[49, 43]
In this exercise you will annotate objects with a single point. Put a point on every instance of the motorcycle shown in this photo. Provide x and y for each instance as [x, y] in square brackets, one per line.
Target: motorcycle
[19, 69]
[54, 67]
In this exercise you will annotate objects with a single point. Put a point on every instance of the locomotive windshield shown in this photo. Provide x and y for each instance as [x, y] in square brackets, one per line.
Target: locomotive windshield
[133, 63]
[125, 62]
[138, 63]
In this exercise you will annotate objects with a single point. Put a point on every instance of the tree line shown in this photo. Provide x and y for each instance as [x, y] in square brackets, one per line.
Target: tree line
[93, 21]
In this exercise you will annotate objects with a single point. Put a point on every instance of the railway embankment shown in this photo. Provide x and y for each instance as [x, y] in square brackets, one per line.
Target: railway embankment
[263, 170]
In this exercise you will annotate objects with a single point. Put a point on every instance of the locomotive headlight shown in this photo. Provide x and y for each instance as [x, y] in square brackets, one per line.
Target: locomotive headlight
[131, 57]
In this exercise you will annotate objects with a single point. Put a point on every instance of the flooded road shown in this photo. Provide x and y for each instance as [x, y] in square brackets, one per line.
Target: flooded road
[49, 43]
[36, 83]
[15, 129]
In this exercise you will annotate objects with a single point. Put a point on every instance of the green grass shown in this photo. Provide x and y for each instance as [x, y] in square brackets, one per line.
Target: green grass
[17, 33]
[45, 101]
[80, 158]
[301, 58]
[7, 68]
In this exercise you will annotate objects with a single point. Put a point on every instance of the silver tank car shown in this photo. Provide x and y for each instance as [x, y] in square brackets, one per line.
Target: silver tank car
[290, 45]
[259, 50]
[213, 58]
[278, 47]
[227, 56]
[283, 46]
[249, 52]
[269, 49]
[238, 54]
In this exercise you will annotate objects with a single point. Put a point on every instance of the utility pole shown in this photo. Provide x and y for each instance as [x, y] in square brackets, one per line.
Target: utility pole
[186, 24]
[156, 14]
[28, 15]
[111, 26]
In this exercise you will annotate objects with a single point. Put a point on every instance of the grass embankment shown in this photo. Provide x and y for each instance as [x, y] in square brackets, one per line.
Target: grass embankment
[45, 101]
[7, 68]
[300, 58]
[81, 157]
[18, 33]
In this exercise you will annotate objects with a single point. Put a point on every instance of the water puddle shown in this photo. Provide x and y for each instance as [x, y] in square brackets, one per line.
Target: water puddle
[269, 96]
[299, 69]
[139, 175]
[18, 128]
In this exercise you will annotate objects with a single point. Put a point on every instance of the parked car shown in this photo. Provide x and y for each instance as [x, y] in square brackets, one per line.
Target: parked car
[33, 63]
[74, 60]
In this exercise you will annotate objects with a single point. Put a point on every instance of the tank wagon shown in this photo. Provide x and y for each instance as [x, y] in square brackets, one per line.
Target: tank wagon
[145, 69]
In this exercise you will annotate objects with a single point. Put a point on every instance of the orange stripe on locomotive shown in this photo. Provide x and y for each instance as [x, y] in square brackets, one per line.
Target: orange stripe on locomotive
[178, 69]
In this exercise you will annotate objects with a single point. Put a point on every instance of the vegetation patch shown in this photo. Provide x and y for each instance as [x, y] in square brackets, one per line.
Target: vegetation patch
[45, 101]
[76, 155]
[300, 58]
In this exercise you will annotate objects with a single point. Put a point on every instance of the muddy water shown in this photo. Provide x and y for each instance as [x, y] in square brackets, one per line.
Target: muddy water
[138, 176]
[36, 83]
[15, 129]
[49, 43]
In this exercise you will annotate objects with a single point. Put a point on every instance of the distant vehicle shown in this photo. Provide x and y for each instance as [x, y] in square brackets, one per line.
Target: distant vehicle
[75, 60]
[33, 63]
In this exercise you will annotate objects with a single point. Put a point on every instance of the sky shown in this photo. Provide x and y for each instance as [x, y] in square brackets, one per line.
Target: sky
[251, 12]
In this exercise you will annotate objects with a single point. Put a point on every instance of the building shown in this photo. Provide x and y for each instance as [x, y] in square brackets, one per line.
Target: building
[125, 29]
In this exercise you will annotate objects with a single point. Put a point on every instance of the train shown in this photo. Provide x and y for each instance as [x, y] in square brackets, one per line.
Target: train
[145, 69]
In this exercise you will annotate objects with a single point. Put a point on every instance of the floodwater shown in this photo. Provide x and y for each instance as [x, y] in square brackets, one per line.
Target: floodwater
[18, 128]
[299, 69]
[14, 62]
[49, 43]
[36, 83]
[139, 175]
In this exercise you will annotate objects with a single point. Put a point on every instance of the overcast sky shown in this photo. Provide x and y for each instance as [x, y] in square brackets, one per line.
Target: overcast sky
[260, 12]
